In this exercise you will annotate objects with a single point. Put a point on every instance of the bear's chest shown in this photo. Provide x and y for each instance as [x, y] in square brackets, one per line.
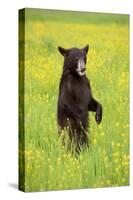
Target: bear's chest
[81, 91]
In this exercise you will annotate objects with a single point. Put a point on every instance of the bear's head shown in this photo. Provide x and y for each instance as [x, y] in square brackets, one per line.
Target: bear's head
[75, 59]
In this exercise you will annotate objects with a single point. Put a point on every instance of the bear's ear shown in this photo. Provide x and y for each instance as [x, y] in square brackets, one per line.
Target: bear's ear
[63, 51]
[86, 48]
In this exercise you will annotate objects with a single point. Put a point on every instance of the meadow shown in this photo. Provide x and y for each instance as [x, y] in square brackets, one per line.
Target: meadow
[43, 162]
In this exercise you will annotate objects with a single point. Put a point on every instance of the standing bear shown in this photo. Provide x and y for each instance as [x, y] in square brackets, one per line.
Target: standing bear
[75, 97]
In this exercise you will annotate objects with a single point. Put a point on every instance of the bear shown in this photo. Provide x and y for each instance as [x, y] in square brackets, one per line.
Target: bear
[75, 98]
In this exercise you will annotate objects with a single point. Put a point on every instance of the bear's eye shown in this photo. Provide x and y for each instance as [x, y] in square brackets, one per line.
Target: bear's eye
[76, 58]
[84, 59]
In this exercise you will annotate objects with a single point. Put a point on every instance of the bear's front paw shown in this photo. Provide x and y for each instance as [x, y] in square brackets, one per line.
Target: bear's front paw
[98, 117]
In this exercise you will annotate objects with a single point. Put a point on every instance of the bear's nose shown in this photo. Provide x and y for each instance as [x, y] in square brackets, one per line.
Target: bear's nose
[83, 69]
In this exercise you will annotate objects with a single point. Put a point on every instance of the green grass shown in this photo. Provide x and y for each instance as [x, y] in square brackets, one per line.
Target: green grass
[47, 165]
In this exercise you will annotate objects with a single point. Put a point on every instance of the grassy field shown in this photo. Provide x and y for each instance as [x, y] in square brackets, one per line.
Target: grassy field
[47, 165]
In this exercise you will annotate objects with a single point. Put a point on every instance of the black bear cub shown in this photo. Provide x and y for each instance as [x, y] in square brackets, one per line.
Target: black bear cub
[75, 97]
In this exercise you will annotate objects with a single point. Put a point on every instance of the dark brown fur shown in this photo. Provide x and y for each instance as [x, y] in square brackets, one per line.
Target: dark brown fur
[75, 98]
